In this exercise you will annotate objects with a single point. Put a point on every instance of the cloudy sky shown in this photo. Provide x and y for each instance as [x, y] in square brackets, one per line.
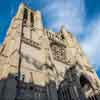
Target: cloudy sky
[81, 17]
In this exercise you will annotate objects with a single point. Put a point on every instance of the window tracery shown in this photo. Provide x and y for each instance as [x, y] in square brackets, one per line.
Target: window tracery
[58, 52]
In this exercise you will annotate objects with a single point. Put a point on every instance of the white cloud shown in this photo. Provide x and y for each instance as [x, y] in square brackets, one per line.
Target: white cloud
[70, 13]
[91, 44]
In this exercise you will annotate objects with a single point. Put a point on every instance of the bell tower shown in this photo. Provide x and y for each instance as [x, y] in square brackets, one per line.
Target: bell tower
[39, 64]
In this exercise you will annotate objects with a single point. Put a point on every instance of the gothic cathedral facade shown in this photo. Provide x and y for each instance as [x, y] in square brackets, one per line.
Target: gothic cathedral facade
[39, 64]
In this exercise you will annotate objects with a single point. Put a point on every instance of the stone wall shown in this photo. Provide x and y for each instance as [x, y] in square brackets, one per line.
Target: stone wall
[41, 57]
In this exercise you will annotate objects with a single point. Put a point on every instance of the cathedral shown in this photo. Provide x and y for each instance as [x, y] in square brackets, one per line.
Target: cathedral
[39, 64]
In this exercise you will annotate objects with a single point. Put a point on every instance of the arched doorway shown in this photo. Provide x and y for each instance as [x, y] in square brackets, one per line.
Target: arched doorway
[87, 88]
[63, 91]
[68, 91]
[69, 88]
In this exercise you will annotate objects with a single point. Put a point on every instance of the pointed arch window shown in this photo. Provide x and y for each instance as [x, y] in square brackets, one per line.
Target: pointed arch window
[58, 52]
[25, 16]
[32, 19]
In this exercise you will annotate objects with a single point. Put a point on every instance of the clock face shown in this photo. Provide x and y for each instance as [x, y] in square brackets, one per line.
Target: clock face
[58, 52]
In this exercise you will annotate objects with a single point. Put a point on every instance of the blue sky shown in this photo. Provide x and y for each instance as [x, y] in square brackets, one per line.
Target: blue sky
[81, 17]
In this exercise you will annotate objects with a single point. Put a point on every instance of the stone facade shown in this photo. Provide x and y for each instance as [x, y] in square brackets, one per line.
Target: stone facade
[39, 64]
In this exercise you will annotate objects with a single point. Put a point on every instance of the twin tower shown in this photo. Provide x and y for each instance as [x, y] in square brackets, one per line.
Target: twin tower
[39, 64]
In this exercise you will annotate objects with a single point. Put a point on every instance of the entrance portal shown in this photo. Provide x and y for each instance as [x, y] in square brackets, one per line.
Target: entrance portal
[87, 88]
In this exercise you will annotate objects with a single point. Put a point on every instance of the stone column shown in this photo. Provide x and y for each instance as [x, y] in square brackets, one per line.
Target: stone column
[52, 91]
[79, 89]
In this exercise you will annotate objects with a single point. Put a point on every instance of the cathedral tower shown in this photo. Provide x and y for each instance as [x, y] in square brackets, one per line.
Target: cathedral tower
[39, 64]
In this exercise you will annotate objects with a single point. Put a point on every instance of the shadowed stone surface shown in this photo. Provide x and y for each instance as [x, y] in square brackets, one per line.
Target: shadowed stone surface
[39, 64]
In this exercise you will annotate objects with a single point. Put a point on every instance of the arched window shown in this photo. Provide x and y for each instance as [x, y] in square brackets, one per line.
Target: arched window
[59, 52]
[25, 16]
[32, 19]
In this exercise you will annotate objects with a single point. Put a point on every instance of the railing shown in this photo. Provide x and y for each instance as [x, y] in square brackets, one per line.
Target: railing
[31, 42]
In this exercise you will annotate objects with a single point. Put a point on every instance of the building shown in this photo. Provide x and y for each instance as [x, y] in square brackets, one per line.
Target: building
[39, 64]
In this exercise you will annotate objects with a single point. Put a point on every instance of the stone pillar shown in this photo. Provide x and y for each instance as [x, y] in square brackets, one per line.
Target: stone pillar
[78, 88]
[52, 91]
[81, 94]
[20, 11]
[38, 20]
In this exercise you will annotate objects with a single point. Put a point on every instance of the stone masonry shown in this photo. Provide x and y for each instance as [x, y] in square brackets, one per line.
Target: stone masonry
[39, 64]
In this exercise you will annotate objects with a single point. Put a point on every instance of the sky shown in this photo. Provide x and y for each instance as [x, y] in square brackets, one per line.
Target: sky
[80, 17]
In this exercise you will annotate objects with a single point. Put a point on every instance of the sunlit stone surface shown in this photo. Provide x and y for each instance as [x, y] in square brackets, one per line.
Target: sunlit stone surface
[39, 64]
